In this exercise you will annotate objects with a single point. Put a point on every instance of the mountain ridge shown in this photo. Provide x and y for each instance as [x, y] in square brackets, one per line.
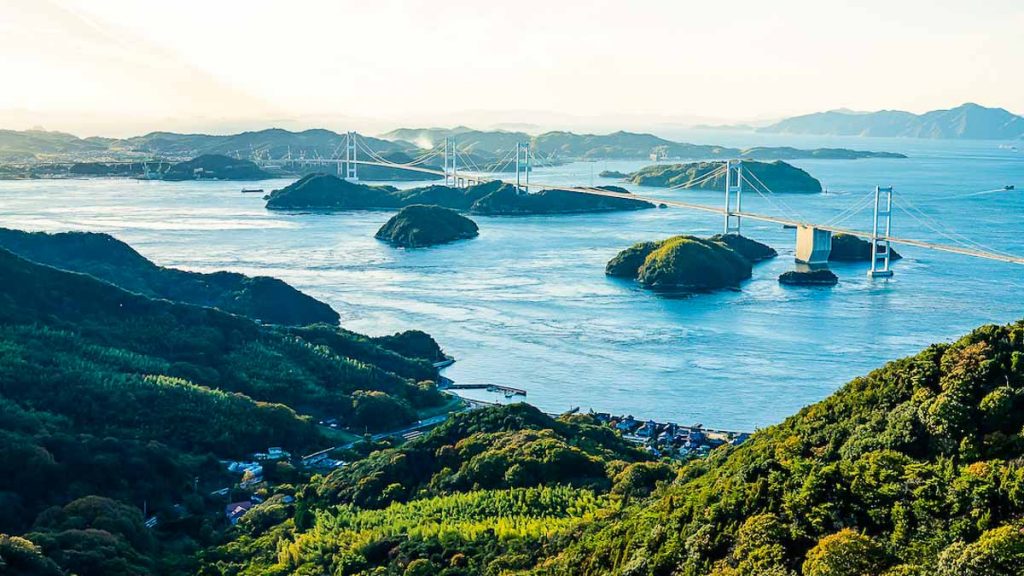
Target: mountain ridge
[968, 121]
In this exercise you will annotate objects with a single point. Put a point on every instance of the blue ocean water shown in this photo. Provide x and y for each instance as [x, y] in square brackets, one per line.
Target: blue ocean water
[527, 303]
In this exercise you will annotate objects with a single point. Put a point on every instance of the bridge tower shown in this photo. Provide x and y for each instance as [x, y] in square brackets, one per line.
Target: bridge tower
[880, 250]
[733, 187]
[522, 166]
[451, 168]
[351, 173]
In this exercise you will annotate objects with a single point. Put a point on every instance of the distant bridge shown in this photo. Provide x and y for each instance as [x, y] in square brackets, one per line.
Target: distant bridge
[813, 242]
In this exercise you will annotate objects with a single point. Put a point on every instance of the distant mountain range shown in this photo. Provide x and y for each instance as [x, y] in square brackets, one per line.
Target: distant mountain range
[617, 145]
[481, 148]
[36, 145]
[968, 121]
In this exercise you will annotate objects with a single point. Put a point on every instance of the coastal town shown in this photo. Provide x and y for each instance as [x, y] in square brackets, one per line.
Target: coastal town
[667, 440]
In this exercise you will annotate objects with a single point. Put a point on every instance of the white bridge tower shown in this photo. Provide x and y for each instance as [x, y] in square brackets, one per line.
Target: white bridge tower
[523, 166]
[880, 251]
[733, 187]
[451, 168]
[351, 173]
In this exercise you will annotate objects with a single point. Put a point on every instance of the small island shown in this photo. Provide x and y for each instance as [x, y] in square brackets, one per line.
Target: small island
[419, 225]
[613, 174]
[847, 248]
[778, 176]
[818, 277]
[689, 263]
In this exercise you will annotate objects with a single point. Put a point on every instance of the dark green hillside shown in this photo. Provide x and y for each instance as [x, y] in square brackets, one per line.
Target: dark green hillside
[495, 198]
[327, 192]
[106, 258]
[507, 201]
[412, 344]
[688, 263]
[778, 176]
[691, 263]
[112, 403]
[206, 346]
[514, 446]
[489, 491]
[215, 167]
[421, 225]
[914, 469]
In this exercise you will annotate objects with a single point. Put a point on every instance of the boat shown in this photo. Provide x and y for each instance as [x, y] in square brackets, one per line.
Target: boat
[251, 190]
[1008, 187]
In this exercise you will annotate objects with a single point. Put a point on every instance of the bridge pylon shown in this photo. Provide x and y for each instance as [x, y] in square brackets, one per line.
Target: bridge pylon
[351, 168]
[523, 166]
[733, 188]
[880, 249]
[451, 167]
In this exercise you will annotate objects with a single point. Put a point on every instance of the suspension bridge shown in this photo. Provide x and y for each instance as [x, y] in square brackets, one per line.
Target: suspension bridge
[813, 240]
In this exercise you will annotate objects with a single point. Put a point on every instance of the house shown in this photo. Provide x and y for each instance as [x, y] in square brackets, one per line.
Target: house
[648, 430]
[234, 511]
[627, 425]
[739, 439]
[311, 460]
[272, 454]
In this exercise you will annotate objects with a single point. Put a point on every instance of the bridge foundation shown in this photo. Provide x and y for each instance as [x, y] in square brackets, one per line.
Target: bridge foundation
[813, 246]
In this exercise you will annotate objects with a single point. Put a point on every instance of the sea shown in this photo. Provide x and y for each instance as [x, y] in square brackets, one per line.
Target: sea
[527, 303]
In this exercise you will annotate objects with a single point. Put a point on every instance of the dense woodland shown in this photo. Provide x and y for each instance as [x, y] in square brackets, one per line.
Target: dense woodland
[113, 403]
[914, 469]
[116, 407]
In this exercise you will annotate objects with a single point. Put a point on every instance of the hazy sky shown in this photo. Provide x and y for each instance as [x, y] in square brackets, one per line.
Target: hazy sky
[118, 67]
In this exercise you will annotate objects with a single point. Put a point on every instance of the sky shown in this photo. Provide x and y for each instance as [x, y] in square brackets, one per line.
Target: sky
[125, 67]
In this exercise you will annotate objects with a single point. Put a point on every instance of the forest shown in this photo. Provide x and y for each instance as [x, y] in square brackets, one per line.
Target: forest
[118, 412]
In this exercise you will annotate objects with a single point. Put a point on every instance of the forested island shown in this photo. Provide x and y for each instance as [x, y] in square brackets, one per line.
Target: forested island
[126, 422]
[690, 264]
[495, 198]
[421, 225]
[777, 176]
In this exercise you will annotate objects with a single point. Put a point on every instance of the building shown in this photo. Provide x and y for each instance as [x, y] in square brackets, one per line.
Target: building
[234, 511]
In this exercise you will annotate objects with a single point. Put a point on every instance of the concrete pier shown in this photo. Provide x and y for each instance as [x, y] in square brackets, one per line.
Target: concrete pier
[813, 246]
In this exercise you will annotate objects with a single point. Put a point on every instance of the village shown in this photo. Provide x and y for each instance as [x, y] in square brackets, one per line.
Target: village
[660, 439]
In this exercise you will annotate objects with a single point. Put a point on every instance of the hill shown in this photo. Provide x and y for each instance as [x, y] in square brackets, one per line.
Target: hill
[103, 256]
[420, 225]
[690, 264]
[778, 176]
[113, 404]
[912, 470]
[967, 121]
[215, 167]
[327, 192]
